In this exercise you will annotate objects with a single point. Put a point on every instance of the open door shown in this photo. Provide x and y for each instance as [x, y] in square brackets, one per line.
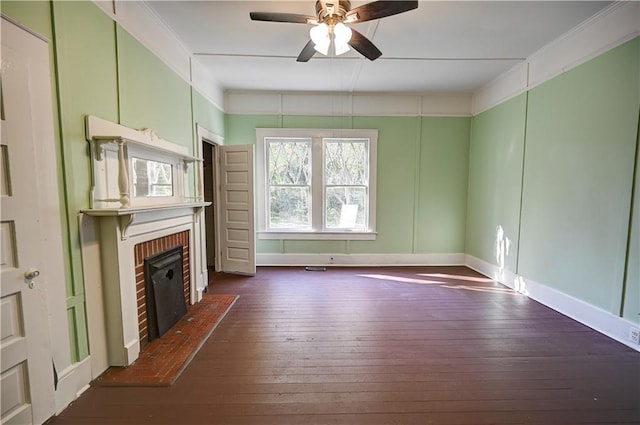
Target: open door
[237, 228]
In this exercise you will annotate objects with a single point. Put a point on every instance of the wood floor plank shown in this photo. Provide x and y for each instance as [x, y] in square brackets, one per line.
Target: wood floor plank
[388, 345]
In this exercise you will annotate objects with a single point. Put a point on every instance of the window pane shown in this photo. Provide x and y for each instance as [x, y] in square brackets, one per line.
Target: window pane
[345, 208]
[345, 161]
[289, 208]
[289, 161]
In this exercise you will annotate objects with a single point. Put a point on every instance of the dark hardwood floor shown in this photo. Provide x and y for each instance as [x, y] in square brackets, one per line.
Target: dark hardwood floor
[411, 345]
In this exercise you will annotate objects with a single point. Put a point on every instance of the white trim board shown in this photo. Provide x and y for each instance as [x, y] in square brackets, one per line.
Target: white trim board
[341, 104]
[360, 260]
[613, 326]
[206, 84]
[72, 382]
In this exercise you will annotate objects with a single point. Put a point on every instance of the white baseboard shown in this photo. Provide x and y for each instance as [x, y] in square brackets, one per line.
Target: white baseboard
[594, 317]
[355, 260]
[72, 382]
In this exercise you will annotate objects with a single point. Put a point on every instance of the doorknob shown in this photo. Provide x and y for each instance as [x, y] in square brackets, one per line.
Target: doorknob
[30, 275]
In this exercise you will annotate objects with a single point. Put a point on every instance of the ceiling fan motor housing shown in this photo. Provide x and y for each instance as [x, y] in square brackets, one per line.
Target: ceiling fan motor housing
[332, 10]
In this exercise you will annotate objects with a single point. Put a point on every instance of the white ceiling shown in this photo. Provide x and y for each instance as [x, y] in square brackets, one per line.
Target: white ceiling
[450, 46]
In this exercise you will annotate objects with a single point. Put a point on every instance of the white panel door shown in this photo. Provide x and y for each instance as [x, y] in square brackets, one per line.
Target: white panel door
[27, 381]
[237, 228]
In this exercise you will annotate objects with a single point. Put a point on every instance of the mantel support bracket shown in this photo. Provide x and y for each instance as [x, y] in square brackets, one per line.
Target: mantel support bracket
[126, 221]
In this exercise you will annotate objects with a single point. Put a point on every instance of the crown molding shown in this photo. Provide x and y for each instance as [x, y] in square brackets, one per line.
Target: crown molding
[608, 29]
[206, 84]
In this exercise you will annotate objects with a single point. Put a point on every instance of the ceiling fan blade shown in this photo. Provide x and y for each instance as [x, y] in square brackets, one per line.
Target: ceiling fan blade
[364, 46]
[282, 17]
[379, 9]
[307, 52]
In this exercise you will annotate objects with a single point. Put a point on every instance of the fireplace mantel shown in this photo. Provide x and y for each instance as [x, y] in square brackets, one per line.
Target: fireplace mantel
[126, 210]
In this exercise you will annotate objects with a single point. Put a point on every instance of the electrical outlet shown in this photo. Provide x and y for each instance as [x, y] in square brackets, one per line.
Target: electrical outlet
[331, 260]
[634, 335]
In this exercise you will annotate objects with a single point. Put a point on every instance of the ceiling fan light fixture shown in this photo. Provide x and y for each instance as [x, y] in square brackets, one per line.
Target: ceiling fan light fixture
[341, 37]
[320, 37]
[342, 33]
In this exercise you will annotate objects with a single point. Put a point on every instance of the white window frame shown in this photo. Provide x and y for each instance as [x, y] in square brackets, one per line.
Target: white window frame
[317, 232]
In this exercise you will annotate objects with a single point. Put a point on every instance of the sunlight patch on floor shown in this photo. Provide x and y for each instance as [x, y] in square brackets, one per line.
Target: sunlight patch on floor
[506, 291]
[457, 277]
[402, 279]
[445, 284]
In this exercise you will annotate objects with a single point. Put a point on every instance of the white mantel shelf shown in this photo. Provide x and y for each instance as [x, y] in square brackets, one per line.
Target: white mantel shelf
[128, 216]
[102, 212]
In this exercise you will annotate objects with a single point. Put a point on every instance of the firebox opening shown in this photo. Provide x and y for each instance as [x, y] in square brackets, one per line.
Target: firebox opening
[165, 291]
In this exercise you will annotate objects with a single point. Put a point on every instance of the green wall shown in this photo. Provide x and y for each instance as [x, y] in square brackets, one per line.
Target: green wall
[421, 181]
[206, 114]
[495, 181]
[36, 15]
[443, 167]
[398, 138]
[99, 69]
[631, 300]
[580, 154]
[558, 164]
[151, 94]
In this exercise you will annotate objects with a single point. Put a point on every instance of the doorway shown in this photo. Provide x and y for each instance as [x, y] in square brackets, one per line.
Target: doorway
[228, 241]
[209, 153]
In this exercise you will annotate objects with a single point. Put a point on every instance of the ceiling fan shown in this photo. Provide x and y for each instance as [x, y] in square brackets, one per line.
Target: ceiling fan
[329, 29]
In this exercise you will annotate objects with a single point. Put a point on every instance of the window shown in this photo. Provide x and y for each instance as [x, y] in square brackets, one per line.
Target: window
[316, 184]
[289, 182]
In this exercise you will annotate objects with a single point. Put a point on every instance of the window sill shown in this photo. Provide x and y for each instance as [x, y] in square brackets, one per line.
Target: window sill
[320, 236]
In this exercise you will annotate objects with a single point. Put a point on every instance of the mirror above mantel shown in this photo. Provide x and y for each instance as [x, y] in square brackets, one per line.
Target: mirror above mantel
[136, 169]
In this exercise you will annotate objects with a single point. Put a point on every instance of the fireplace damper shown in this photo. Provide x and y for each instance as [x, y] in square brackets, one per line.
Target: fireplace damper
[165, 291]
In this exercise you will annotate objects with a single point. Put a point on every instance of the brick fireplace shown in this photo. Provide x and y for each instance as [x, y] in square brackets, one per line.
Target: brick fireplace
[124, 239]
[145, 250]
